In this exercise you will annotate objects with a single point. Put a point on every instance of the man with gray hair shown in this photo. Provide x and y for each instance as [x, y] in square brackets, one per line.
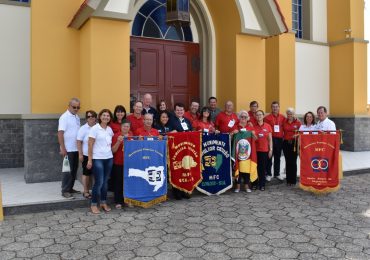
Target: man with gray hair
[147, 106]
[324, 124]
[69, 124]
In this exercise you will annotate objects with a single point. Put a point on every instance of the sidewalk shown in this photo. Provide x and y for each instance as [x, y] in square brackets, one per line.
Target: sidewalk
[17, 193]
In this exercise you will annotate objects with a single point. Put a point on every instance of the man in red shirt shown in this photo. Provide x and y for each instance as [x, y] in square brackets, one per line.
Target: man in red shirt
[227, 121]
[276, 121]
[136, 119]
[193, 113]
[147, 129]
[253, 107]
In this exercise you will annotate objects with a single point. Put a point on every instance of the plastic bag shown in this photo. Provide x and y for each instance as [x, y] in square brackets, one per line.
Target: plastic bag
[66, 167]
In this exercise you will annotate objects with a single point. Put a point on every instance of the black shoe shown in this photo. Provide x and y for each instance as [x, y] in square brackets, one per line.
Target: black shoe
[185, 195]
[67, 195]
[75, 191]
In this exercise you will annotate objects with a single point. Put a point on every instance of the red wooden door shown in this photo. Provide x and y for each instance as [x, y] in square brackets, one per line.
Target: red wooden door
[168, 70]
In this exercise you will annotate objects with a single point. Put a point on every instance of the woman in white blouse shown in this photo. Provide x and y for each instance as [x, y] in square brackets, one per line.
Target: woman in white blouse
[308, 122]
[100, 159]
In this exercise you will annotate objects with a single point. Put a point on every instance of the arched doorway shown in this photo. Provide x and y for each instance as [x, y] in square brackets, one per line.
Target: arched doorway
[175, 64]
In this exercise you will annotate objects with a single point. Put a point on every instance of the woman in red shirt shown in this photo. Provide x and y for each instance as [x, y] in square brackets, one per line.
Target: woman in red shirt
[263, 147]
[119, 114]
[290, 128]
[204, 122]
[117, 170]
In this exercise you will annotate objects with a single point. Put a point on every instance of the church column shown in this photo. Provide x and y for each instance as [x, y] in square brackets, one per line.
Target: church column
[348, 69]
[105, 63]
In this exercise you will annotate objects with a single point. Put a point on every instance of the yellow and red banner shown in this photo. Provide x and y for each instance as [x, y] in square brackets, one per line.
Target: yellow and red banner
[184, 152]
[319, 154]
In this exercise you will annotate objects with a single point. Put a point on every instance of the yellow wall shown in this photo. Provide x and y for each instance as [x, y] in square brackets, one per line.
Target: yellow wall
[286, 9]
[280, 70]
[250, 71]
[54, 55]
[348, 68]
[105, 67]
[226, 20]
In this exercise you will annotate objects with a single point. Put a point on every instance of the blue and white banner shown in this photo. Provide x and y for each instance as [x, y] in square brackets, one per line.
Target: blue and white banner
[216, 164]
[145, 172]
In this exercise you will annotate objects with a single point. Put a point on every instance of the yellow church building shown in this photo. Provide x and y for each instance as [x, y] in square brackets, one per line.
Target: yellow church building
[303, 53]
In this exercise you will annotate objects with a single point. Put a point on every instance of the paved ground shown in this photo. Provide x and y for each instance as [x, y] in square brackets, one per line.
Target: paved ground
[280, 223]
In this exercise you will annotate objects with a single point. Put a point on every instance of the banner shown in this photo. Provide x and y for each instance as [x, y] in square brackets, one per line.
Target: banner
[319, 154]
[216, 164]
[145, 172]
[184, 152]
[244, 154]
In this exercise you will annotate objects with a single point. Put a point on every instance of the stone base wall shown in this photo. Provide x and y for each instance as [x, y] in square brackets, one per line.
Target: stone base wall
[42, 161]
[11, 143]
[356, 133]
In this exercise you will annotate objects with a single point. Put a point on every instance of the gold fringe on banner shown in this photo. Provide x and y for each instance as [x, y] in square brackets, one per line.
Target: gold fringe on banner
[318, 192]
[145, 204]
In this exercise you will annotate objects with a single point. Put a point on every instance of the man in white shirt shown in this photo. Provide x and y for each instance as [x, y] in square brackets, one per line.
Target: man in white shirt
[69, 124]
[324, 124]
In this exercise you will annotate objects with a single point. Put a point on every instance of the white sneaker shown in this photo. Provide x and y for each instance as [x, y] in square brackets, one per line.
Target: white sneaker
[280, 178]
[268, 178]
[236, 190]
[248, 190]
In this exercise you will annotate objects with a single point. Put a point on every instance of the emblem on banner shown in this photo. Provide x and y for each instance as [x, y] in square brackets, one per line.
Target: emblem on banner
[154, 176]
[243, 150]
[319, 164]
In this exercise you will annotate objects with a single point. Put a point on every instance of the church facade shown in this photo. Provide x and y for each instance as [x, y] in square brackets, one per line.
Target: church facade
[302, 53]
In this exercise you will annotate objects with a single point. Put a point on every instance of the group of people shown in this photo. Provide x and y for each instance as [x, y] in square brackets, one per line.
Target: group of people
[98, 144]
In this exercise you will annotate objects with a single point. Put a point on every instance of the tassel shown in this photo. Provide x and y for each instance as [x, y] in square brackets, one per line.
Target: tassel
[341, 136]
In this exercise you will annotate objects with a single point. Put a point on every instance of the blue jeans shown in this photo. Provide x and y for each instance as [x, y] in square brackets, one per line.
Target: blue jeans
[101, 170]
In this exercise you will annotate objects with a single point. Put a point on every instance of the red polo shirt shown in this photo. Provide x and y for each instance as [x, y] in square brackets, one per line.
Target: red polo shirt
[136, 123]
[118, 155]
[116, 127]
[262, 133]
[143, 132]
[191, 117]
[291, 128]
[226, 123]
[201, 126]
[276, 123]
[252, 119]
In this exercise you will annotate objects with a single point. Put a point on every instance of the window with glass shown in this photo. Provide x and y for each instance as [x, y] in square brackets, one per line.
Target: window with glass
[297, 18]
[150, 21]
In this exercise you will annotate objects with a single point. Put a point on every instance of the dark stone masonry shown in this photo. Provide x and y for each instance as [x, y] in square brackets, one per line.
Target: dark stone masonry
[11, 143]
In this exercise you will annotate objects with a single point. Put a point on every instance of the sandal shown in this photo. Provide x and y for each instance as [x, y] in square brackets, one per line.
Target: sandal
[105, 207]
[95, 210]
[118, 206]
[86, 195]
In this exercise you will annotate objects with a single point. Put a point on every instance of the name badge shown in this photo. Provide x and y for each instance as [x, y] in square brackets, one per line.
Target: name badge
[206, 130]
[260, 135]
[276, 128]
[184, 126]
[243, 130]
[231, 123]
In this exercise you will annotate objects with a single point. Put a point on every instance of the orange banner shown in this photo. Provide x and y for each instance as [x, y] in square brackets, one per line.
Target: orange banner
[184, 152]
[319, 154]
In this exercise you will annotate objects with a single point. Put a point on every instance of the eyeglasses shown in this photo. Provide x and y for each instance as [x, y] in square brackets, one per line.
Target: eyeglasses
[78, 107]
[243, 117]
[90, 116]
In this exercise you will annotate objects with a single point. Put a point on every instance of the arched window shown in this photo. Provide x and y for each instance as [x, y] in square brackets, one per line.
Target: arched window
[150, 21]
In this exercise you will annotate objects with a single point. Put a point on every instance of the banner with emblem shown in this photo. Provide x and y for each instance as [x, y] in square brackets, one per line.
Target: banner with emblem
[184, 153]
[216, 164]
[145, 172]
[244, 154]
[319, 155]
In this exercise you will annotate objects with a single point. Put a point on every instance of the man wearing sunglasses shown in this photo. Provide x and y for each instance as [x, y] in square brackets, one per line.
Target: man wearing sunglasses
[69, 124]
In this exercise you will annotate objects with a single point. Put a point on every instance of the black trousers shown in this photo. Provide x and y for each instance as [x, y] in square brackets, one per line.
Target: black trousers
[291, 161]
[68, 180]
[262, 158]
[117, 172]
[277, 144]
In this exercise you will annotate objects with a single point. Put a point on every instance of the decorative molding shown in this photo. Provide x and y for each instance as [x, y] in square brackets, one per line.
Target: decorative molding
[349, 40]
